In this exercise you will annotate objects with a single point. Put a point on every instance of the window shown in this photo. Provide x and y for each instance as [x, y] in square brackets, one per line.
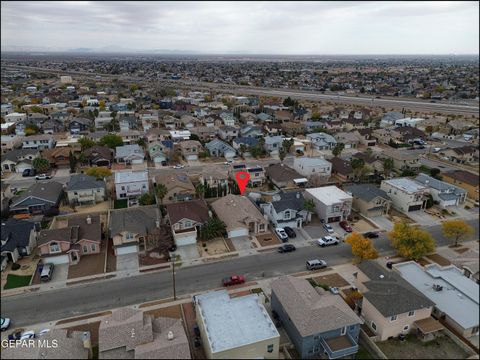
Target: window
[261, 227]
[270, 348]
[343, 331]
[374, 326]
[287, 214]
[129, 236]
[393, 318]
[123, 188]
[316, 337]
[85, 248]
[94, 247]
[411, 313]
[54, 247]
[75, 193]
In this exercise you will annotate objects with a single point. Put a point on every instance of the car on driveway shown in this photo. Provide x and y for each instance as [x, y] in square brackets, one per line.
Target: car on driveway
[327, 240]
[328, 228]
[5, 323]
[286, 248]
[371, 235]
[290, 232]
[344, 225]
[43, 332]
[179, 166]
[28, 172]
[281, 234]
[43, 177]
[234, 280]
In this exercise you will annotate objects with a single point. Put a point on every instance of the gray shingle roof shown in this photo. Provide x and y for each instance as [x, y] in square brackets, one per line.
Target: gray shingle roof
[437, 184]
[141, 220]
[16, 233]
[84, 182]
[366, 192]
[311, 311]
[290, 200]
[49, 191]
[389, 293]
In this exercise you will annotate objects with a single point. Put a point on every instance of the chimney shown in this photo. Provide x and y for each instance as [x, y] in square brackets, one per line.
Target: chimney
[157, 223]
[89, 220]
[170, 335]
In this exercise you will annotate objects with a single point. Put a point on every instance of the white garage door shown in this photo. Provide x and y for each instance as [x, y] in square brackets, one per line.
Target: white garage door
[238, 232]
[229, 154]
[186, 240]
[137, 161]
[127, 250]
[61, 259]
[192, 157]
[348, 146]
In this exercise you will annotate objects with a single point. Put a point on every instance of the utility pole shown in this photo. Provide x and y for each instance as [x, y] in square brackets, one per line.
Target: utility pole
[174, 258]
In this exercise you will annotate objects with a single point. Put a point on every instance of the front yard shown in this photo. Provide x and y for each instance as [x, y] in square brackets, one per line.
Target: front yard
[120, 204]
[89, 265]
[15, 281]
[413, 348]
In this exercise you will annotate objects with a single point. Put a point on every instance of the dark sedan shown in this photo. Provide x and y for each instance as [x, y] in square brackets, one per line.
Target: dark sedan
[290, 232]
[371, 235]
[286, 248]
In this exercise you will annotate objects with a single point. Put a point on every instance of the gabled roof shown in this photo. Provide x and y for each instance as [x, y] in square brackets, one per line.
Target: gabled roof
[141, 220]
[195, 210]
[84, 182]
[288, 200]
[249, 141]
[366, 192]
[280, 172]
[48, 191]
[16, 233]
[220, 145]
[437, 184]
[236, 211]
[463, 176]
[15, 154]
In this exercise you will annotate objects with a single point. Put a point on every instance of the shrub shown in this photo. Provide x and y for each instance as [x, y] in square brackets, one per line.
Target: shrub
[444, 212]
[15, 266]
[467, 207]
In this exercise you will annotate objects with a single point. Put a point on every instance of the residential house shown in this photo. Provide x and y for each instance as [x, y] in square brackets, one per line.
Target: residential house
[103, 119]
[59, 157]
[390, 306]
[131, 184]
[228, 118]
[369, 200]
[322, 141]
[349, 139]
[215, 178]
[246, 141]
[40, 142]
[248, 118]
[18, 238]
[127, 123]
[15, 117]
[284, 177]
[406, 195]
[219, 148]
[19, 159]
[79, 125]
[227, 132]
[257, 173]
[263, 117]
[10, 142]
[442, 192]
[365, 136]
[273, 144]
[408, 122]
[205, 133]
[382, 135]
[250, 131]
[7, 128]
[461, 155]
[468, 262]
[157, 153]
[129, 154]
[402, 159]
[390, 118]
[132, 229]
[38, 198]
[331, 203]
[240, 215]
[286, 209]
[190, 149]
[156, 134]
[308, 166]
[342, 169]
[235, 327]
[99, 156]
[372, 161]
[185, 219]
[407, 134]
[179, 187]
[317, 322]
[81, 236]
[282, 116]
[83, 189]
[455, 297]
[132, 334]
[464, 179]
[130, 136]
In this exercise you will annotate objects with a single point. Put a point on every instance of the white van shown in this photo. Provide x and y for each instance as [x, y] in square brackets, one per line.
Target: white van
[316, 264]
[47, 272]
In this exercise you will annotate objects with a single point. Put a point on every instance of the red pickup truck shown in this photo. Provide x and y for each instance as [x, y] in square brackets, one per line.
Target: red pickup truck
[233, 280]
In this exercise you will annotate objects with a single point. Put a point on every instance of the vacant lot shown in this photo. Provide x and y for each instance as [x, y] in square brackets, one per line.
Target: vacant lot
[412, 348]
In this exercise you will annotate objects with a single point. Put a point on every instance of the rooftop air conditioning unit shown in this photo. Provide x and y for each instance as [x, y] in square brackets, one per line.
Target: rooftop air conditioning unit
[437, 287]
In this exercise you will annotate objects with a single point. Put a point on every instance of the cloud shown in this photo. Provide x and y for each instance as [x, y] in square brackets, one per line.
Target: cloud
[264, 27]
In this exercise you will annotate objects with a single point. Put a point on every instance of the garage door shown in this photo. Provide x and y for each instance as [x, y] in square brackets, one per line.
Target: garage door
[127, 250]
[237, 232]
[192, 157]
[186, 240]
[62, 259]
[137, 161]
[415, 207]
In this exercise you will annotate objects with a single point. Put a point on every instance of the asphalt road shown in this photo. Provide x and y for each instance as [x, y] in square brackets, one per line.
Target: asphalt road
[27, 309]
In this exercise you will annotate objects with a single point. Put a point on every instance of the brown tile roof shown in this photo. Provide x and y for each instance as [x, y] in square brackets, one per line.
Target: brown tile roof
[173, 180]
[341, 166]
[196, 210]
[91, 231]
[280, 172]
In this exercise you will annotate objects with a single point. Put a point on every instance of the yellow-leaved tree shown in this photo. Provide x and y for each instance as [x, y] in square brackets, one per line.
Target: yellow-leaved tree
[457, 229]
[98, 172]
[362, 248]
[410, 241]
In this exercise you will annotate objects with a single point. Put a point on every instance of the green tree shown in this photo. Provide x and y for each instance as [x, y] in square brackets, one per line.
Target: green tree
[36, 109]
[95, 112]
[213, 228]
[161, 191]
[141, 142]
[357, 167]
[72, 161]
[243, 149]
[194, 137]
[282, 154]
[146, 199]
[407, 172]
[111, 141]
[86, 143]
[337, 150]
[411, 242]
[288, 102]
[309, 206]
[287, 145]
[41, 164]
[388, 166]
[98, 172]
[435, 173]
[200, 190]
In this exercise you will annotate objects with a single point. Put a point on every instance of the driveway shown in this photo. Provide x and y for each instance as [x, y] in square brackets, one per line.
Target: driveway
[422, 218]
[463, 213]
[188, 252]
[127, 262]
[61, 173]
[242, 243]
[382, 222]
[315, 231]
[60, 273]
[300, 239]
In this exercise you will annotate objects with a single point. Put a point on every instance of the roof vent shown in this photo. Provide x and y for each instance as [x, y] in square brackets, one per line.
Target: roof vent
[170, 335]
[382, 276]
[437, 287]
[89, 220]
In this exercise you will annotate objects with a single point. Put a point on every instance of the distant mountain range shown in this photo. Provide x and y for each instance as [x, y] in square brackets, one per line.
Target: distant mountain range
[104, 49]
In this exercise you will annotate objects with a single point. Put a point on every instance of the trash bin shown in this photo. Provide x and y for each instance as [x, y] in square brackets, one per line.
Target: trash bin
[389, 264]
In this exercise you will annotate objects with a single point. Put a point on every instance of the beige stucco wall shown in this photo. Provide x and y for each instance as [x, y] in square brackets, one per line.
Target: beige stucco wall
[45, 248]
[472, 191]
[256, 350]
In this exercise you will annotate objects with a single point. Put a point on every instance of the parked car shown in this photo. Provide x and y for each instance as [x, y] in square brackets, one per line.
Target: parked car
[16, 334]
[328, 228]
[344, 225]
[281, 234]
[286, 248]
[43, 177]
[47, 272]
[43, 332]
[371, 235]
[334, 290]
[234, 280]
[5, 323]
[327, 240]
[316, 264]
[179, 166]
[290, 232]
[29, 172]
[30, 334]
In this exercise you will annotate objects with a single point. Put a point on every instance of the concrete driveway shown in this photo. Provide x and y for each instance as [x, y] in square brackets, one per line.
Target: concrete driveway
[382, 222]
[300, 240]
[188, 252]
[315, 231]
[60, 273]
[422, 218]
[127, 262]
[242, 243]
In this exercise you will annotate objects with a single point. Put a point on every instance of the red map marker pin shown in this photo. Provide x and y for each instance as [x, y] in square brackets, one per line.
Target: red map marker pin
[242, 178]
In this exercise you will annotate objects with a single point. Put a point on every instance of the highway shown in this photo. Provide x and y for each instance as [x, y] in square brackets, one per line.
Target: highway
[396, 103]
[98, 296]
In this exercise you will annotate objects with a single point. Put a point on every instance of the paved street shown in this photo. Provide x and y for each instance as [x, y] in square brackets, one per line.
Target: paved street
[81, 299]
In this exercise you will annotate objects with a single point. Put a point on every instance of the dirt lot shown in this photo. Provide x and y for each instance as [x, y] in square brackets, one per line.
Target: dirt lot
[362, 226]
[214, 246]
[396, 216]
[111, 258]
[268, 239]
[331, 280]
[440, 260]
[442, 348]
[89, 264]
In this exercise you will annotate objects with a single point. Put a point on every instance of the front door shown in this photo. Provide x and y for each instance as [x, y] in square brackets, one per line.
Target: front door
[74, 256]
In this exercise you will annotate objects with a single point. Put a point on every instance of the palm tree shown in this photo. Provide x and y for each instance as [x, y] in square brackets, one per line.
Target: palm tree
[212, 228]
[309, 206]
[200, 190]
[388, 166]
[161, 191]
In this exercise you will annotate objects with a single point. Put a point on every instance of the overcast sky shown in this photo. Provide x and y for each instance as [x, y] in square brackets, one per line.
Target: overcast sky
[357, 27]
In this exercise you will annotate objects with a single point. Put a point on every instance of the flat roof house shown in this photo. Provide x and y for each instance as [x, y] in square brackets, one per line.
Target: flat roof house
[331, 203]
[318, 322]
[455, 296]
[309, 166]
[406, 194]
[129, 184]
[235, 328]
